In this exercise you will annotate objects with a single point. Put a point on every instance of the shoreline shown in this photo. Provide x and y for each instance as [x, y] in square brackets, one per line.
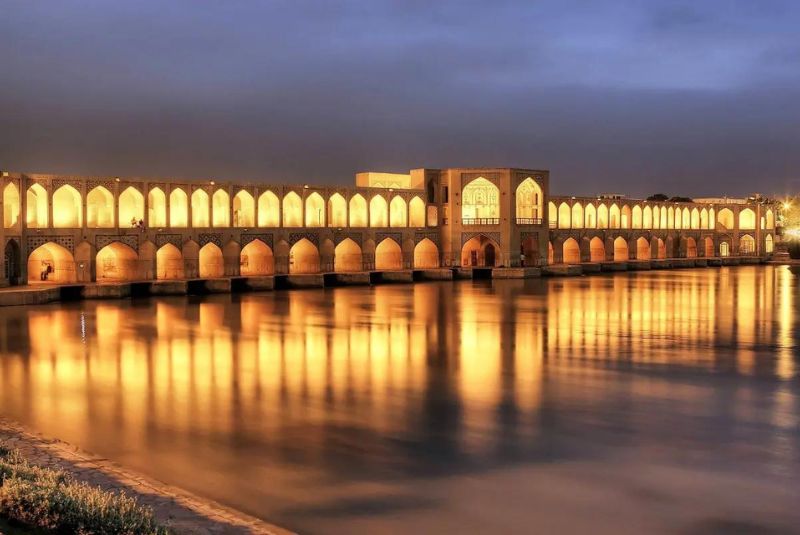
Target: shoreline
[181, 510]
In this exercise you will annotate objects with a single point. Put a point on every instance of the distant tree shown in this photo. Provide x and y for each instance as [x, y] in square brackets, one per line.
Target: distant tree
[657, 197]
[680, 199]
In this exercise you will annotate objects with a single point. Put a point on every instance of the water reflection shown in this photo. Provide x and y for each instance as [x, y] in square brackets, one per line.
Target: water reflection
[294, 402]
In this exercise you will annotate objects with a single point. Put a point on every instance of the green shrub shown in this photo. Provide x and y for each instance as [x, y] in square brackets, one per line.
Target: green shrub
[53, 500]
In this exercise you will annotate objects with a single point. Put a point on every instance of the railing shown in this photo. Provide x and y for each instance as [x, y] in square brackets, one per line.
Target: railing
[480, 221]
[553, 224]
[529, 221]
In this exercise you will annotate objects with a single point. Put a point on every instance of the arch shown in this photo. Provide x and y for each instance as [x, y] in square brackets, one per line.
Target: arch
[347, 256]
[67, 212]
[625, 217]
[51, 262]
[642, 248]
[315, 210]
[661, 249]
[378, 212]
[303, 257]
[577, 215]
[221, 209]
[388, 255]
[636, 217]
[747, 245]
[656, 220]
[169, 263]
[293, 210]
[416, 212]
[564, 215]
[269, 210]
[529, 200]
[602, 216]
[256, 258]
[703, 218]
[747, 219]
[571, 251]
[620, 249]
[695, 222]
[613, 216]
[131, 207]
[36, 207]
[552, 214]
[156, 208]
[724, 248]
[99, 208]
[480, 199]
[398, 212]
[691, 248]
[770, 216]
[670, 218]
[665, 218]
[480, 251]
[11, 203]
[337, 211]
[200, 215]
[426, 255]
[769, 245]
[244, 209]
[178, 208]
[725, 218]
[358, 211]
[647, 217]
[590, 216]
[597, 250]
[211, 263]
[709, 246]
[12, 262]
[686, 221]
[116, 262]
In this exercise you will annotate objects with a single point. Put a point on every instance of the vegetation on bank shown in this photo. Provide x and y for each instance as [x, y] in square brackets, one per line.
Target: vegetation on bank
[53, 500]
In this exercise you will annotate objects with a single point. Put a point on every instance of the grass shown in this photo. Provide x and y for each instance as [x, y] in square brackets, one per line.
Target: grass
[52, 500]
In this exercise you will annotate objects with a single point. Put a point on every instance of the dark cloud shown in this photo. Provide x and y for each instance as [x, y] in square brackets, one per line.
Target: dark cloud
[691, 98]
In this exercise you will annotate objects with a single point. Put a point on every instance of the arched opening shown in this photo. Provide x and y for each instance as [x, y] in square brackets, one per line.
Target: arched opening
[220, 209]
[244, 209]
[747, 245]
[358, 211]
[704, 218]
[200, 215]
[337, 211]
[347, 256]
[691, 248]
[577, 215]
[620, 249]
[602, 216]
[770, 219]
[613, 216]
[256, 258]
[12, 262]
[36, 212]
[552, 214]
[709, 247]
[670, 218]
[647, 217]
[426, 255]
[686, 220]
[178, 208]
[625, 217]
[156, 208]
[378, 212]
[398, 215]
[10, 205]
[597, 250]
[131, 207]
[303, 257]
[571, 251]
[642, 248]
[636, 217]
[665, 218]
[269, 212]
[416, 212]
[695, 223]
[99, 208]
[67, 208]
[292, 210]
[530, 251]
[169, 263]
[480, 251]
[590, 216]
[564, 215]
[315, 210]
[116, 262]
[529, 202]
[769, 245]
[724, 248]
[51, 263]
[480, 203]
[211, 263]
[388, 255]
[725, 218]
[662, 249]
[747, 219]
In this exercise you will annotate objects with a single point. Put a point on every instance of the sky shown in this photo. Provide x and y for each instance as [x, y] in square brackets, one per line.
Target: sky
[635, 97]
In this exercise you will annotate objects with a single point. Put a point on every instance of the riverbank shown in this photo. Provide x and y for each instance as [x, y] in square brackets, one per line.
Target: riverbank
[181, 511]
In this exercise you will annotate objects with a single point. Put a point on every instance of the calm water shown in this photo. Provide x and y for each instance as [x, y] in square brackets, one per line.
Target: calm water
[636, 403]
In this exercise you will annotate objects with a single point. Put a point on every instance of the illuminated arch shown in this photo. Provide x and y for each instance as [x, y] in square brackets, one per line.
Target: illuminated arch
[686, 221]
[378, 212]
[529, 200]
[709, 247]
[11, 204]
[725, 218]
[670, 217]
[256, 258]
[303, 257]
[480, 199]
[58, 258]
[398, 215]
[347, 256]
[178, 208]
[99, 208]
[564, 215]
[769, 245]
[211, 263]
[577, 215]
[724, 248]
[665, 218]
[636, 217]
[695, 222]
[337, 211]
[747, 219]
[244, 209]
[156, 208]
[661, 248]
[169, 263]
[552, 214]
[358, 211]
[36, 210]
[602, 216]
[480, 251]
[656, 221]
[647, 217]
[269, 211]
[221, 209]
[747, 245]
[703, 218]
[426, 255]
[200, 211]
[131, 207]
[571, 251]
[416, 212]
[691, 248]
[770, 219]
[614, 216]
[116, 262]
[620, 249]
[315, 210]
[597, 250]
[590, 216]
[388, 255]
[67, 212]
[625, 217]
[293, 210]
[642, 249]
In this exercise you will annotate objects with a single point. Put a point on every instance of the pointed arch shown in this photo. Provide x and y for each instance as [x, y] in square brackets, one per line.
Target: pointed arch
[602, 216]
[709, 247]
[256, 258]
[358, 211]
[347, 256]
[221, 208]
[625, 217]
[426, 255]
[614, 216]
[211, 263]
[620, 249]
[636, 216]
[597, 250]
[571, 252]
[480, 200]
[337, 211]
[200, 209]
[116, 262]
[747, 245]
[156, 208]
[590, 216]
[416, 212]
[67, 209]
[769, 245]
[691, 247]
[656, 220]
[666, 218]
[99, 208]
[564, 215]
[388, 255]
[770, 217]
[36, 203]
[552, 214]
[695, 218]
[51, 262]
[169, 263]
[131, 207]
[642, 248]
[661, 248]
[292, 210]
[315, 210]
[529, 200]
[303, 257]
[480, 251]
[647, 217]
[178, 208]
[747, 219]
[378, 212]
[577, 215]
[398, 212]
[704, 218]
[725, 218]
[11, 205]
[269, 210]
[244, 209]
[670, 217]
